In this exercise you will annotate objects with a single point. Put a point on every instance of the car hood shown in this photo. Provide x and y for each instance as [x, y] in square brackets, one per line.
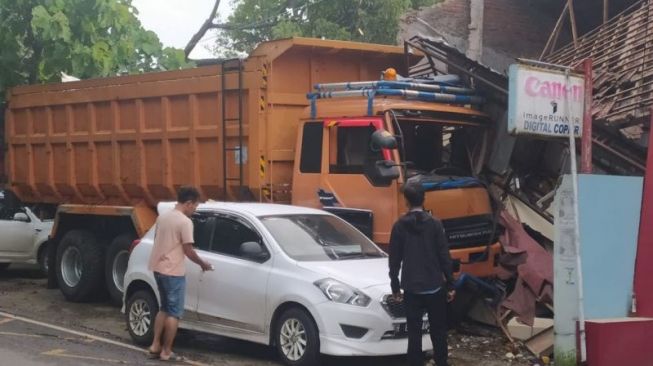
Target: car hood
[359, 273]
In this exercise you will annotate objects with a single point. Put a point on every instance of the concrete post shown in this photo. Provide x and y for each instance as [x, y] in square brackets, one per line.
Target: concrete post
[475, 38]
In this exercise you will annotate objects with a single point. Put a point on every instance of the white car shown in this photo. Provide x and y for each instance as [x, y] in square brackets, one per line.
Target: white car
[23, 235]
[299, 279]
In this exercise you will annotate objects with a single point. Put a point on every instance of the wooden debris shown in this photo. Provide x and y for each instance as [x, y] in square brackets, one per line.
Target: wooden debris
[524, 332]
[541, 344]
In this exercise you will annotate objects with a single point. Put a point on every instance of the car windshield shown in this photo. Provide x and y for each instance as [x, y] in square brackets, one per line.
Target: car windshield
[319, 238]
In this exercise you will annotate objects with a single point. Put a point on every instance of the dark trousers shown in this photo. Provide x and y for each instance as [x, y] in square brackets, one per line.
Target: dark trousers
[435, 306]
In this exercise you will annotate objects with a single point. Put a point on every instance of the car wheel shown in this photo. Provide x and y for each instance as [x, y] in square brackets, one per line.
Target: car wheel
[140, 311]
[115, 267]
[297, 339]
[43, 259]
[4, 266]
[80, 261]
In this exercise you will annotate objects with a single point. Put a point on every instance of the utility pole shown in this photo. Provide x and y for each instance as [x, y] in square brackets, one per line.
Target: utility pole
[475, 38]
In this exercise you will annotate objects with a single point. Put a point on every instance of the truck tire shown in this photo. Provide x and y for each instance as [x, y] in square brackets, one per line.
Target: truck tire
[80, 264]
[115, 267]
[4, 266]
[140, 311]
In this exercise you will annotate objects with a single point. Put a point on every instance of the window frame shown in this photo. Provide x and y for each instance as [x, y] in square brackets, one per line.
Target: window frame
[302, 162]
[375, 122]
[249, 225]
[206, 214]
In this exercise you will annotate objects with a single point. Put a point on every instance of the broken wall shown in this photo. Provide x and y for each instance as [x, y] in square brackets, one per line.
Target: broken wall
[510, 28]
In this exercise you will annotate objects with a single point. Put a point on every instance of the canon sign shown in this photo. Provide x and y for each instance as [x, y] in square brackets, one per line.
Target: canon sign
[544, 102]
[534, 87]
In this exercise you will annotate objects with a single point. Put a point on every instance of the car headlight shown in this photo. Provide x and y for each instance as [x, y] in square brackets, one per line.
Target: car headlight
[339, 292]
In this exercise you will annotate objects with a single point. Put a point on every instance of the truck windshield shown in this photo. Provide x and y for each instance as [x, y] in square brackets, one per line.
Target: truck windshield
[319, 238]
[429, 147]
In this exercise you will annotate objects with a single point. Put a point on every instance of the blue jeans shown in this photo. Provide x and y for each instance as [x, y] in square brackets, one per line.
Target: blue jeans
[172, 290]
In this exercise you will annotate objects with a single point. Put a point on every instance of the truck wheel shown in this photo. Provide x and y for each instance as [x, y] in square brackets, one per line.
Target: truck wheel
[297, 339]
[140, 311]
[80, 263]
[115, 267]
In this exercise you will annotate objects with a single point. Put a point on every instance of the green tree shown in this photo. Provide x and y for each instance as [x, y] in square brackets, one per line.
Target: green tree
[39, 39]
[254, 21]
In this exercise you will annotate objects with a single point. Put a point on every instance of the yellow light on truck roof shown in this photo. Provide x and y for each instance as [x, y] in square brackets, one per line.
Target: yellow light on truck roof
[390, 74]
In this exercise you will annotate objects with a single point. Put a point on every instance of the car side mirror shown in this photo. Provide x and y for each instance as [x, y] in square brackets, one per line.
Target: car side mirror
[381, 173]
[254, 251]
[382, 139]
[21, 216]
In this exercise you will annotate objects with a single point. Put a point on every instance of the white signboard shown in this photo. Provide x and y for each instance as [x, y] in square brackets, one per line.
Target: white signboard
[544, 102]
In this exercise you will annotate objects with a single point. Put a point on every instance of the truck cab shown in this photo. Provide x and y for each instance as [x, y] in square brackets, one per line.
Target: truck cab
[361, 160]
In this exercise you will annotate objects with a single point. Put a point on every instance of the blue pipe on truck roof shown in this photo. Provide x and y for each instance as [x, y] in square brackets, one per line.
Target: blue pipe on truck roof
[358, 85]
[409, 94]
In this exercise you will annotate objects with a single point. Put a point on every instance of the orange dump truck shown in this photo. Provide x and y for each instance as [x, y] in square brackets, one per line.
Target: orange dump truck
[106, 151]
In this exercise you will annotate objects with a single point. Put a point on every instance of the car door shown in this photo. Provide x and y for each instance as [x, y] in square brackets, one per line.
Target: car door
[18, 235]
[234, 295]
[203, 226]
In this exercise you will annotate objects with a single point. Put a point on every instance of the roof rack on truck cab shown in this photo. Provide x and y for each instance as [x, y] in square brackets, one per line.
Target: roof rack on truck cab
[443, 89]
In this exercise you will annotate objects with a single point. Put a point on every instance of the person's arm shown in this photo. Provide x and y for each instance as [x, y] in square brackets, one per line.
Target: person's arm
[395, 259]
[192, 255]
[189, 251]
[444, 257]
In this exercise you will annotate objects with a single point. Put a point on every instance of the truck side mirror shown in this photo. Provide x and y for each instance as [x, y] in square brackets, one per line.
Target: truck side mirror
[382, 139]
[381, 173]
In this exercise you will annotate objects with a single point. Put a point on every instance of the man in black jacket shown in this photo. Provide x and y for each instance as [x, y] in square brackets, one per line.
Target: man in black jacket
[418, 246]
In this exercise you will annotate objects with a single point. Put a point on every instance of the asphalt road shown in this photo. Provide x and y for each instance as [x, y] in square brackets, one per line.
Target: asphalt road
[27, 342]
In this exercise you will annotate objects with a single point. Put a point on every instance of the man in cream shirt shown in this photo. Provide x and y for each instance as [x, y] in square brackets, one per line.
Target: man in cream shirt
[173, 241]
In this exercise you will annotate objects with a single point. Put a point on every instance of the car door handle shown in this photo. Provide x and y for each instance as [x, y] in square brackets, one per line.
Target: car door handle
[38, 230]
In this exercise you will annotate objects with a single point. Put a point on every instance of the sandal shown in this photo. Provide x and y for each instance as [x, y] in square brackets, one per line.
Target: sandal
[173, 358]
[153, 355]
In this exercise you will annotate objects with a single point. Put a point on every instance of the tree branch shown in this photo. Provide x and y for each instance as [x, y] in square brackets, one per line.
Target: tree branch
[208, 23]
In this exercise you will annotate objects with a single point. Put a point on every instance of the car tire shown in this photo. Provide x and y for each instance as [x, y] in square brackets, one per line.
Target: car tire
[4, 266]
[43, 259]
[294, 326]
[80, 263]
[140, 311]
[115, 267]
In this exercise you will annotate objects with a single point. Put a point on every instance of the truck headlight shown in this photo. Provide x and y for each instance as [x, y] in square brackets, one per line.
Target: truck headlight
[339, 292]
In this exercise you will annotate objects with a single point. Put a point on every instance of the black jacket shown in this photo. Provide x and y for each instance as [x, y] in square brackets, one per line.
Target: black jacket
[418, 246]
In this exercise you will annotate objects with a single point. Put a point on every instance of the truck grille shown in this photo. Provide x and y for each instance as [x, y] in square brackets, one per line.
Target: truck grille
[472, 231]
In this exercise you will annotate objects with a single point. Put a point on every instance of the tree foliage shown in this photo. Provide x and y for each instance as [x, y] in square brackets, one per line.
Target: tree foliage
[374, 21]
[39, 39]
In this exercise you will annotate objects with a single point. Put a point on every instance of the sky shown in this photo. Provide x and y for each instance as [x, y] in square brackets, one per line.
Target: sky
[175, 21]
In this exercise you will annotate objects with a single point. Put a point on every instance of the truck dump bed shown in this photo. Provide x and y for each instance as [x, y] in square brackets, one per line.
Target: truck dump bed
[132, 139]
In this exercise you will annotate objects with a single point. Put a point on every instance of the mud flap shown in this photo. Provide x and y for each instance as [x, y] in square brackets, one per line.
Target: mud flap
[52, 267]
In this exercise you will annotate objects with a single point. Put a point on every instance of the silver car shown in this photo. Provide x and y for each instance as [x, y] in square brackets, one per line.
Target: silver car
[24, 235]
[301, 280]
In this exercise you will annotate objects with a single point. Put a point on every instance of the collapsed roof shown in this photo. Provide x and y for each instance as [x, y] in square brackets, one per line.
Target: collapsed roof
[621, 52]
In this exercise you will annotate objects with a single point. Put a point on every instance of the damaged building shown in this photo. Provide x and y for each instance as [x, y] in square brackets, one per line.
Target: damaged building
[479, 40]
[486, 37]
